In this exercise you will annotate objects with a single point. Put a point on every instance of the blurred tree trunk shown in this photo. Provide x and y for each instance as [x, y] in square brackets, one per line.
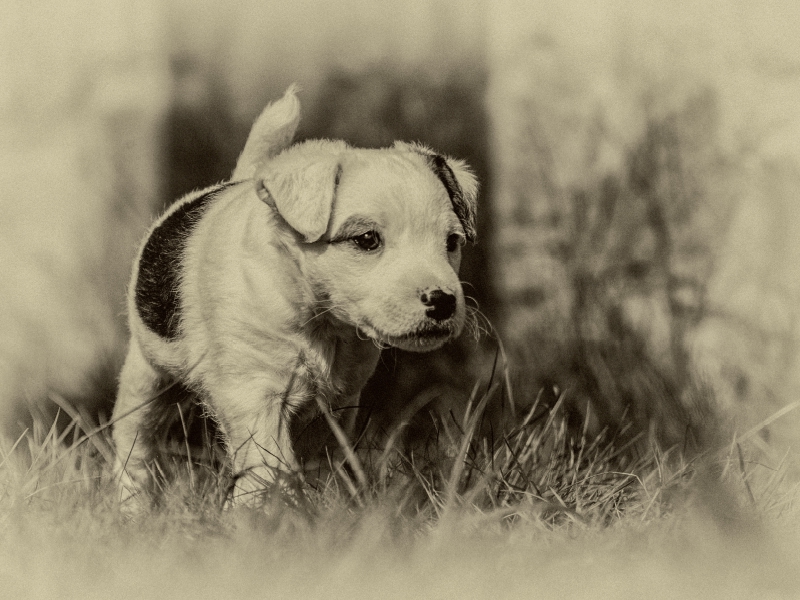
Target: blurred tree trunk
[84, 90]
[645, 166]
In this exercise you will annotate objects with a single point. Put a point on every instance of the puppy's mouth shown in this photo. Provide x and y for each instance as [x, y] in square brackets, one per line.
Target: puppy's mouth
[424, 338]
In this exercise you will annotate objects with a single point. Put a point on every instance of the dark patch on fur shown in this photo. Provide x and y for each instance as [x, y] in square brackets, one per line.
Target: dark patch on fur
[463, 209]
[157, 285]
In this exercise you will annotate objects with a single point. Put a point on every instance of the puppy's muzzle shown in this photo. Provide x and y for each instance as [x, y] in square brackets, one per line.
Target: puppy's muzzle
[441, 305]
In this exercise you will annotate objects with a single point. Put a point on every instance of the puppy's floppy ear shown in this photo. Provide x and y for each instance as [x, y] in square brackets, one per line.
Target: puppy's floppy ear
[460, 183]
[301, 187]
[272, 131]
[462, 187]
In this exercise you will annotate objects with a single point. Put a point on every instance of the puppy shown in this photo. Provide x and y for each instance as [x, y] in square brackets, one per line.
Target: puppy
[276, 290]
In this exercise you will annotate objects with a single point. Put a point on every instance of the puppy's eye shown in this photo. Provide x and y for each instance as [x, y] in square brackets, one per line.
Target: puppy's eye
[369, 241]
[454, 240]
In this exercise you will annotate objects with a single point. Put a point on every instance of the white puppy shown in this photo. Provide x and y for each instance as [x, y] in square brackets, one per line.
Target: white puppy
[277, 289]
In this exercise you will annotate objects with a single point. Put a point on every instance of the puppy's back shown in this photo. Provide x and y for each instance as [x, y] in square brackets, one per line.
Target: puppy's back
[157, 274]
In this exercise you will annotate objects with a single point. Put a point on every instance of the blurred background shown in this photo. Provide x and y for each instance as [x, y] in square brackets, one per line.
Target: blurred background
[640, 161]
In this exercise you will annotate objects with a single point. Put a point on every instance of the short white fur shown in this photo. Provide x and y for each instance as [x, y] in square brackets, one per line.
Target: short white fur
[280, 307]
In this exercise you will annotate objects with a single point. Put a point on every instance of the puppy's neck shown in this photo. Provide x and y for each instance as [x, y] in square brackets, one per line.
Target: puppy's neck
[341, 357]
[325, 326]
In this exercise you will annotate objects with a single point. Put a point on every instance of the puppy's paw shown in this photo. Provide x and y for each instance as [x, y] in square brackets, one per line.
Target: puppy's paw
[132, 501]
[256, 488]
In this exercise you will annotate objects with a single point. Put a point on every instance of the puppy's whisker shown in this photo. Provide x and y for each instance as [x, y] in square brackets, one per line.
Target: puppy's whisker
[318, 314]
[477, 323]
[475, 317]
[483, 323]
[361, 335]
[471, 304]
[465, 283]
[473, 327]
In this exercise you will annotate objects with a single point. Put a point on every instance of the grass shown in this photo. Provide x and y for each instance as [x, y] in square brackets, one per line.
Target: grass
[545, 511]
[554, 504]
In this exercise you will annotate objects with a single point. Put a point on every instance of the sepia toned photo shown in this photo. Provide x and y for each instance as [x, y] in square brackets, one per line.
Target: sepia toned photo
[411, 299]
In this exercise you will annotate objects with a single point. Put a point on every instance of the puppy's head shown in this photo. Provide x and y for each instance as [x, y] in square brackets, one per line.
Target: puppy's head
[380, 231]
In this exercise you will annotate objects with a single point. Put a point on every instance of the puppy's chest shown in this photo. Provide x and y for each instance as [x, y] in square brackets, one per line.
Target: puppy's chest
[340, 367]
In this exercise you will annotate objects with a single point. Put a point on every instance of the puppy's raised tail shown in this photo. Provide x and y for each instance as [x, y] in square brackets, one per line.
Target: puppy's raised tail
[272, 132]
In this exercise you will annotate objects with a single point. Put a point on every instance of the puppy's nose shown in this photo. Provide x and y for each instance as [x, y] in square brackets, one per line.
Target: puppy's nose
[441, 305]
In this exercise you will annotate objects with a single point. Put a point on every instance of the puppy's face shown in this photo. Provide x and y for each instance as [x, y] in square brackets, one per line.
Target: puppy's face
[387, 260]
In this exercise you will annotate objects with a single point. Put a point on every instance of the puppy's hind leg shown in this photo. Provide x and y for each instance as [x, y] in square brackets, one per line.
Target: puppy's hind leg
[134, 436]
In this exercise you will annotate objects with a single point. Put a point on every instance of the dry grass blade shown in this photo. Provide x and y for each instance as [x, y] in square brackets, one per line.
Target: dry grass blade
[10, 452]
[750, 433]
[346, 446]
[471, 419]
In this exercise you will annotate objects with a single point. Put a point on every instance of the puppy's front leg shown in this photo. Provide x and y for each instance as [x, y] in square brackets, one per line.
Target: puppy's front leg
[258, 439]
